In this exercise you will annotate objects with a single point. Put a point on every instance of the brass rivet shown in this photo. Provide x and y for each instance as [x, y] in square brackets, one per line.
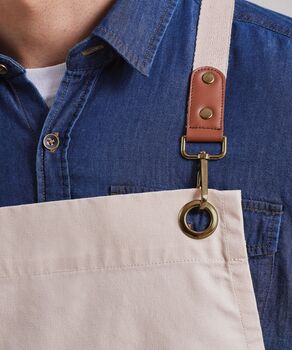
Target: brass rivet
[208, 78]
[206, 113]
[3, 69]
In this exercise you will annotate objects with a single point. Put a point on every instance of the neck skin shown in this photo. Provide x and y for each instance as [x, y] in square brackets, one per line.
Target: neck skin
[39, 33]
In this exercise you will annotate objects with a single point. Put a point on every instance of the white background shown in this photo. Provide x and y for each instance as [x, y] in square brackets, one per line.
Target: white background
[282, 6]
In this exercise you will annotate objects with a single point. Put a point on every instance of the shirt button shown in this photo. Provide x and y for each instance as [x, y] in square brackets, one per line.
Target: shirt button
[3, 69]
[51, 141]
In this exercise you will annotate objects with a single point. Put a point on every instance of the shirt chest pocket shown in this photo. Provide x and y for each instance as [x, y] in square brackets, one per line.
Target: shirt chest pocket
[262, 222]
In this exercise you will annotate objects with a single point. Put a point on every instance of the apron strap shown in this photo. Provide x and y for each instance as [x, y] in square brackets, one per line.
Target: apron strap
[205, 115]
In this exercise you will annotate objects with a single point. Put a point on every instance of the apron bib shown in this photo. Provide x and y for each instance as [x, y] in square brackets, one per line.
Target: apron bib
[126, 271]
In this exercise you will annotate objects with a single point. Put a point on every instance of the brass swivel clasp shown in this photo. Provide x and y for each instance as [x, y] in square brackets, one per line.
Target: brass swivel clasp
[202, 183]
[202, 178]
[203, 157]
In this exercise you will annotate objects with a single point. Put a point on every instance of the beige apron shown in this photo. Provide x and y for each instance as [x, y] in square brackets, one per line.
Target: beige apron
[117, 272]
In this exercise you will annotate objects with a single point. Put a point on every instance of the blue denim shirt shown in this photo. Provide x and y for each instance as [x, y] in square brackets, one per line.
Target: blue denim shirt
[121, 110]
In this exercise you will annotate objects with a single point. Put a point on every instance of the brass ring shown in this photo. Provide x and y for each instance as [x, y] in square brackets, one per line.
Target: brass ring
[186, 228]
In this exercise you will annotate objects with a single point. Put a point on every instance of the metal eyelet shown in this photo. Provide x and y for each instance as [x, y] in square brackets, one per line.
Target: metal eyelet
[186, 228]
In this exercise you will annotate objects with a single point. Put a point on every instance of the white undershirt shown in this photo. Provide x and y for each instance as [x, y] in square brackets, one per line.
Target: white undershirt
[47, 80]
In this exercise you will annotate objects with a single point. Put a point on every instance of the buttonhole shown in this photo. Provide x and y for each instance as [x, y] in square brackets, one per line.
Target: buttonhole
[92, 50]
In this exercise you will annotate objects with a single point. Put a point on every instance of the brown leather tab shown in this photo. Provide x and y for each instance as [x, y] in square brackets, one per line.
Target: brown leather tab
[206, 95]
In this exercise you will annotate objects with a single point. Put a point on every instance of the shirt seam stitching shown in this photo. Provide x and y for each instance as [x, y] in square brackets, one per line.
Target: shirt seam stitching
[242, 20]
[150, 49]
[239, 18]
